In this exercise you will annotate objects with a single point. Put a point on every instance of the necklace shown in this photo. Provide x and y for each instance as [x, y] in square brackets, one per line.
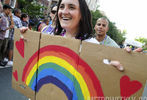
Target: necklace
[103, 42]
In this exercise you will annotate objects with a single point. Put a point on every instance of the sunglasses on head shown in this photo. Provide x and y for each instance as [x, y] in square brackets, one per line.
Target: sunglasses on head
[53, 11]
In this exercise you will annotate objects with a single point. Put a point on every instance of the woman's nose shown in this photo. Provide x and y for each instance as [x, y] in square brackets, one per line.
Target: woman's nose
[65, 10]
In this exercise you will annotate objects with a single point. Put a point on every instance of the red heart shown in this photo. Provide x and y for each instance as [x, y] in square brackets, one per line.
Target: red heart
[15, 75]
[20, 47]
[128, 87]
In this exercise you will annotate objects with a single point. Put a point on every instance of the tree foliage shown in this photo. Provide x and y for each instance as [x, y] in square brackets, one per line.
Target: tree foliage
[143, 40]
[31, 7]
[113, 32]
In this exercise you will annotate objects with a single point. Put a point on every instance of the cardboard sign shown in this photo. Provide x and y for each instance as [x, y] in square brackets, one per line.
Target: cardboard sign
[115, 84]
[58, 68]
[24, 46]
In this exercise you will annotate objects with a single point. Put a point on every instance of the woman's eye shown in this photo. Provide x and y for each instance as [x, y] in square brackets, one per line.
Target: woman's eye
[72, 8]
[61, 6]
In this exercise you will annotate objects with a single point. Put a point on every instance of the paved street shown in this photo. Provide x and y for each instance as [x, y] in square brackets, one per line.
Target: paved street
[6, 91]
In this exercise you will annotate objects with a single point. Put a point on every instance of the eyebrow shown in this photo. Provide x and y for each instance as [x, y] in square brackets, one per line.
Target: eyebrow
[68, 4]
[72, 4]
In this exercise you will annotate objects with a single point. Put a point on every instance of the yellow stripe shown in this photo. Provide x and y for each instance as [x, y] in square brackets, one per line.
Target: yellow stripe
[30, 75]
[67, 66]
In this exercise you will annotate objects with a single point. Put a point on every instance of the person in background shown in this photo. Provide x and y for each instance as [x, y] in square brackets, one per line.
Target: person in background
[24, 20]
[50, 28]
[17, 24]
[53, 13]
[16, 18]
[31, 25]
[4, 32]
[44, 23]
[101, 28]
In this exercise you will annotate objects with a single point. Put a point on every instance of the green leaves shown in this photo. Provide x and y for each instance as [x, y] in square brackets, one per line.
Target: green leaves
[143, 40]
[31, 7]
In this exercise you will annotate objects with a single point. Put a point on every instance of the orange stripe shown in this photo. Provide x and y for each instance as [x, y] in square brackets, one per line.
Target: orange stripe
[88, 80]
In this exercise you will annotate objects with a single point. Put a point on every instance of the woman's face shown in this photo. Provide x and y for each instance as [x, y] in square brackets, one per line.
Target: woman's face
[25, 19]
[69, 14]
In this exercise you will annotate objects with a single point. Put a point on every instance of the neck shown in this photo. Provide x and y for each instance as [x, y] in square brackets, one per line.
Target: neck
[100, 37]
[71, 33]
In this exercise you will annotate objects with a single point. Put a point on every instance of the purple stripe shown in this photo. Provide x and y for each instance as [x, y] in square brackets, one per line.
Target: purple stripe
[55, 81]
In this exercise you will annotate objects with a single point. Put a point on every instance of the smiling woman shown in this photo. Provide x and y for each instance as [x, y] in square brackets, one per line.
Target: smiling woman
[74, 17]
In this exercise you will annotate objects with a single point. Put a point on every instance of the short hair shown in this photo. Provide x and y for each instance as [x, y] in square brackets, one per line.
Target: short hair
[16, 10]
[24, 15]
[6, 6]
[103, 18]
[85, 30]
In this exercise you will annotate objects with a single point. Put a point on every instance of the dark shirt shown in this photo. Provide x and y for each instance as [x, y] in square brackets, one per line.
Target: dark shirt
[24, 23]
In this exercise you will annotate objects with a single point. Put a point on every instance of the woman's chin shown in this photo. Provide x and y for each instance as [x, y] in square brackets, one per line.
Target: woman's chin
[65, 27]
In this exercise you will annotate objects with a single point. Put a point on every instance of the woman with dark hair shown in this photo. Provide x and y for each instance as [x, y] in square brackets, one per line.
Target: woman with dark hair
[24, 20]
[74, 17]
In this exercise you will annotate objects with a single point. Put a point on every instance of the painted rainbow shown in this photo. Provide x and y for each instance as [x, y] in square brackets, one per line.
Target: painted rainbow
[64, 68]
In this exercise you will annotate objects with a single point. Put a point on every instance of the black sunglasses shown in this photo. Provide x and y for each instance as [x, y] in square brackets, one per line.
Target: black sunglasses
[53, 11]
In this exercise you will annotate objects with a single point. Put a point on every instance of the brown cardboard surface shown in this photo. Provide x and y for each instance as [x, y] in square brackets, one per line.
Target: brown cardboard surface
[51, 90]
[109, 77]
[59, 72]
[20, 59]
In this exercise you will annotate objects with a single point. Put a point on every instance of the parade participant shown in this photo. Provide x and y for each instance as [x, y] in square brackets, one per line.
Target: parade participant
[101, 28]
[74, 17]
[24, 19]
[16, 18]
[50, 28]
[4, 32]
[43, 24]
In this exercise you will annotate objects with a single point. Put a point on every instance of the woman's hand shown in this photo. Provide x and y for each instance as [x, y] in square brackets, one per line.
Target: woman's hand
[23, 29]
[138, 50]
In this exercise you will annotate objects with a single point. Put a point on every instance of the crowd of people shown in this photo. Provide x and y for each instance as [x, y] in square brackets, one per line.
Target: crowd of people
[70, 18]
[9, 20]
